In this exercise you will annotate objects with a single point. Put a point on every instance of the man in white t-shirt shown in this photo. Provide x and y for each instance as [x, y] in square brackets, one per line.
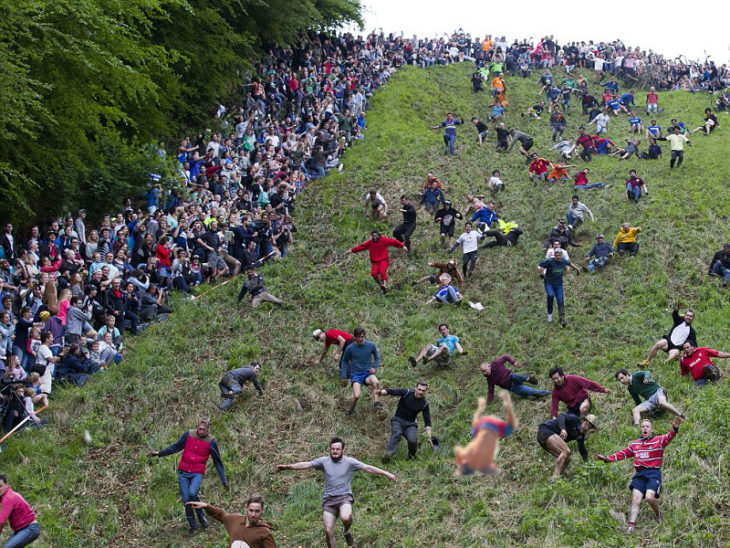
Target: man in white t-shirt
[469, 242]
[376, 204]
[46, 359]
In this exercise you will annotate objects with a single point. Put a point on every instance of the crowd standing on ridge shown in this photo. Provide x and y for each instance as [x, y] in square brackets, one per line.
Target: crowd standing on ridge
[71, 291]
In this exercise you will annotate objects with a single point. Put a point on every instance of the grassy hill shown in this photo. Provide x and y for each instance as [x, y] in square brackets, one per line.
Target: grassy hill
[108, 493]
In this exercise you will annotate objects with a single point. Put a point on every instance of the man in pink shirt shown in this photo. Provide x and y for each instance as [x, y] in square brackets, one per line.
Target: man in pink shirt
[19, 513]
[571, 389]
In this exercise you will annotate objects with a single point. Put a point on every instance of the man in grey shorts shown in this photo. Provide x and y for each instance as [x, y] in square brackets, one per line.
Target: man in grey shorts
[338, 498]
[641, 385]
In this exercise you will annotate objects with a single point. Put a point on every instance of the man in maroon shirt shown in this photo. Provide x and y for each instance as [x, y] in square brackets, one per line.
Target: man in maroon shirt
[21, 516]
[497, 373]
[571, 389]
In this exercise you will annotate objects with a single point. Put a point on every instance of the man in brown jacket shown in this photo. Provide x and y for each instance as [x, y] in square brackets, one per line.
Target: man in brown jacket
[250, 528]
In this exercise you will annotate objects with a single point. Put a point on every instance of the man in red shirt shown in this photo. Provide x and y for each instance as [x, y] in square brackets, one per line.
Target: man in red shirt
[378, 246]
[652, 101]
[648, 452]
[21, 516]
[333, 336]
[197, 445]
[539, 168]
[696, 360]
[571, 389]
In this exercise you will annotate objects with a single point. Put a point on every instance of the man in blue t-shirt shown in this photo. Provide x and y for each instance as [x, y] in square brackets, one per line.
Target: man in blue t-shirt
[654, 130]
[552, 271]
[362, 360]
[441, 351]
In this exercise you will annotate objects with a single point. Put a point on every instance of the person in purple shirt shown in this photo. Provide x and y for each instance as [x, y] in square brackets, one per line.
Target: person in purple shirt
[497, 373]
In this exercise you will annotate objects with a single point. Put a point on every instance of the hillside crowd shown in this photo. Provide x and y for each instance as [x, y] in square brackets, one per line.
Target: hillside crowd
[70, 291]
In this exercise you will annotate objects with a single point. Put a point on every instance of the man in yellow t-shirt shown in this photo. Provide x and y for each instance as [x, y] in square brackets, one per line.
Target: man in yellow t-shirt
[626, 240]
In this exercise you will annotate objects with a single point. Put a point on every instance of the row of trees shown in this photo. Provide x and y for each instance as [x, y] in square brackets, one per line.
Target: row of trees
[88, 84]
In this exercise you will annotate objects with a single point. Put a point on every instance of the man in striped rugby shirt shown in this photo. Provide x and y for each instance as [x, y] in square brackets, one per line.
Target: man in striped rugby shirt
[648, 452]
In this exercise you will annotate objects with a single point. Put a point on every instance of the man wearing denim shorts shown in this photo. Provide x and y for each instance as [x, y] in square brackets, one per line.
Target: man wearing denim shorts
[641, 385]
[338, 498]
[440, 352]
[361, 360]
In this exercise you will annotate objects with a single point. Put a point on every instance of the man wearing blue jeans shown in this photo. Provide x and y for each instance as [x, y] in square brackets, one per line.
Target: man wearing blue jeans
[196, 446]
[18, 512]
[449, 126]
[720, 264]
[552, 271]
[497, 373]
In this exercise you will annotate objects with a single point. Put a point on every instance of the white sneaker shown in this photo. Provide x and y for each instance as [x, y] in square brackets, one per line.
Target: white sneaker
[550, 317]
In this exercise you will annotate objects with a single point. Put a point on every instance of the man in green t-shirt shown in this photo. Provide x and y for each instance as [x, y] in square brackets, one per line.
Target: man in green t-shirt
[641, 385]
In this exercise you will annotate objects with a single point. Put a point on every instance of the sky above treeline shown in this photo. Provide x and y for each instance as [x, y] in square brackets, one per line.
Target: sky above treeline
[694, 29]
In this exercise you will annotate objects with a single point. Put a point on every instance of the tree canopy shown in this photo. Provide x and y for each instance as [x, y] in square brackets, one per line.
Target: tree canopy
[89, 83]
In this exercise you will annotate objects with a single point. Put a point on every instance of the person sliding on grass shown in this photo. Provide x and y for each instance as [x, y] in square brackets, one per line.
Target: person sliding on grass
[249, 528]
[449, 267]
[440, 352]
[553, 436]
[231, 384]
[681, 332]
[571, 390]
[526, 142]
[338, 498]
[641, 385]
[698, 362]
[361, 361]
[506, 234]
[626, 240]
[254, 285]
[498, 374]
[648, 453]
[599, 255]
[480, 454]
[197, 446]
[378, 246]
[447, 293]
[403, 424]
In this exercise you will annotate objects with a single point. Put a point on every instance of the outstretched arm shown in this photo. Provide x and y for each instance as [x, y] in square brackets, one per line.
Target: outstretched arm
[379, 472]
[304, 465]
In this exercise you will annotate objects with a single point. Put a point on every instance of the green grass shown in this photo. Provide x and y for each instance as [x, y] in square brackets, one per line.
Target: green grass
[108, 493]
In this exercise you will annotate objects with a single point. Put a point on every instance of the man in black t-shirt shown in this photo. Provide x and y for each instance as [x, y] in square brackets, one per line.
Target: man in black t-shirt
[502, 137]
[482, 130]
[554, 435]
[403, 231]
[446, 217]
[410, 404]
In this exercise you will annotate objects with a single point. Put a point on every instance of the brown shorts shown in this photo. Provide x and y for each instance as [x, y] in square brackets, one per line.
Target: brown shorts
[332, 505]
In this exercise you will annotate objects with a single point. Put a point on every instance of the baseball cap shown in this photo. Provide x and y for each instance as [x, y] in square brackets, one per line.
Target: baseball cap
[316, 333]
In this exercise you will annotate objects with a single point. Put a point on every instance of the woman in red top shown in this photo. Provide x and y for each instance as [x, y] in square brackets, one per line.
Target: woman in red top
[15, 509]
[163, 252]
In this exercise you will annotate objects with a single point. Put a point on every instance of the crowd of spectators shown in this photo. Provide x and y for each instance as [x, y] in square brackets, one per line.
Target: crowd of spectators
[71, 290]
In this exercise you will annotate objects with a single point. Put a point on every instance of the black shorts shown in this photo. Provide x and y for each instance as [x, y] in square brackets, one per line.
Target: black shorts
[527, 144]
[576, 409]
[670, 344]
[544, 434]
[447, 230]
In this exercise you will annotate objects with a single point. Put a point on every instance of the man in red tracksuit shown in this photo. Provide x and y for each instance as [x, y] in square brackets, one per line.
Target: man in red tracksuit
[196, 446]
[648, 452]
[378, 246]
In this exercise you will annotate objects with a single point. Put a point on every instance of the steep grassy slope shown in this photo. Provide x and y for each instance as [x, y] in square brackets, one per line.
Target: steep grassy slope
[109, 493]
